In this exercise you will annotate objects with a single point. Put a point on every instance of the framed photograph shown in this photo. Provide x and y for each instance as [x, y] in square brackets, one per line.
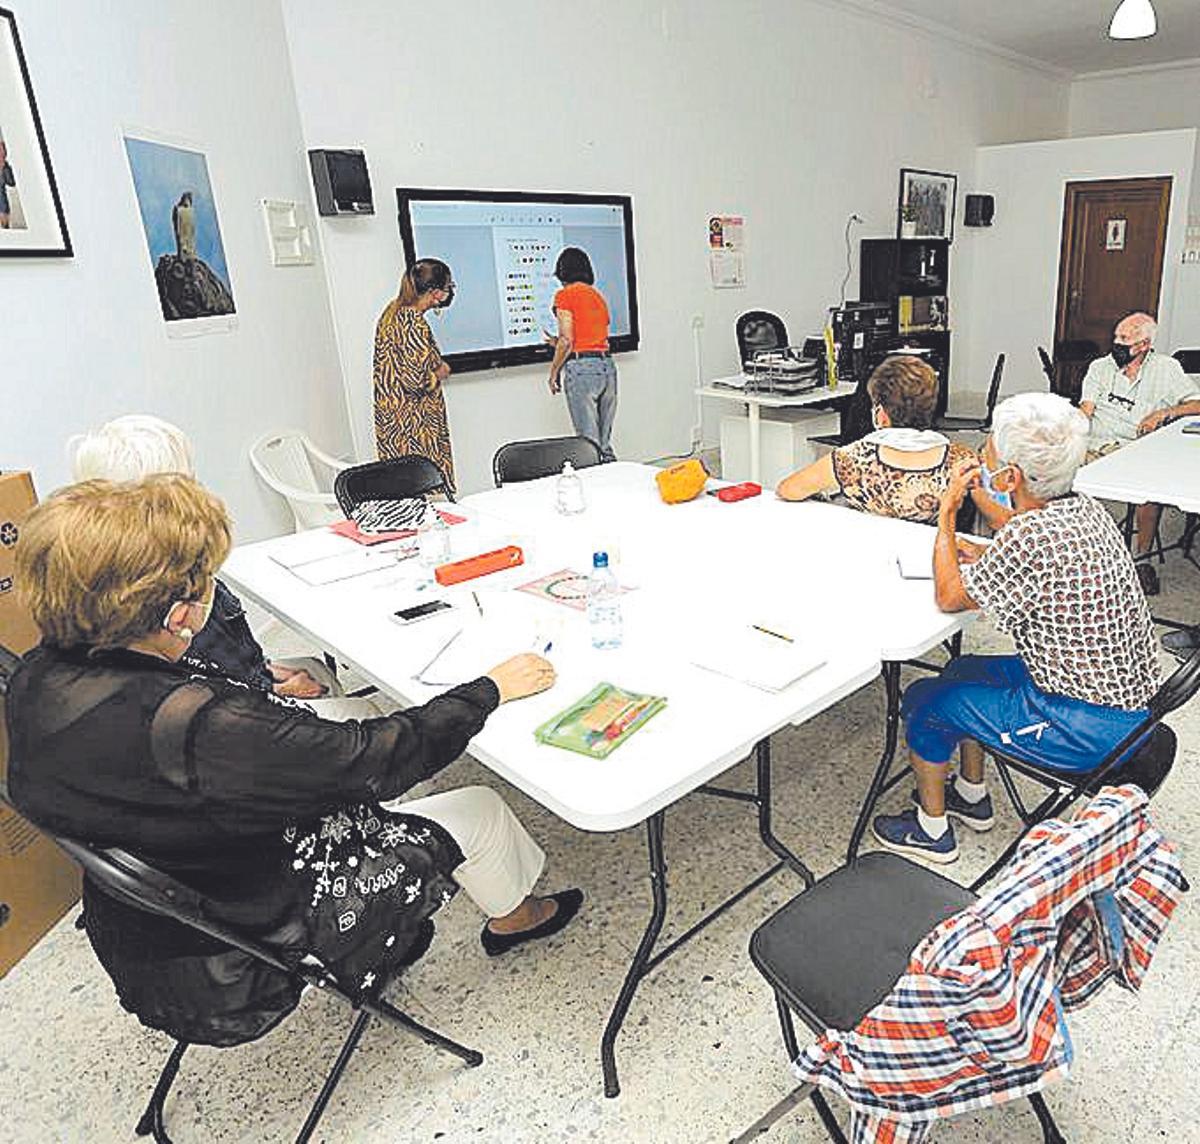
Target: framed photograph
[926, 207]
[32, 224]
[183, 234]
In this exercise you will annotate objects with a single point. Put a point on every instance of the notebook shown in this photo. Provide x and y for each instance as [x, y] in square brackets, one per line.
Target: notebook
[757, 658]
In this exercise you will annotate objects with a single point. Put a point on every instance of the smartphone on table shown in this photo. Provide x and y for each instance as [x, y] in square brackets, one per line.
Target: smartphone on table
[421, 611]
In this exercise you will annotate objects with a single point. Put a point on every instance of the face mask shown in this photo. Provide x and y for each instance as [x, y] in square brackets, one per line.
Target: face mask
[987, 476]
[1122, 355]
[447, 300]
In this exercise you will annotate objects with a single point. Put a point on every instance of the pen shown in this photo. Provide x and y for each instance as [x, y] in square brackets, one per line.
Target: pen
[441, 651]
[768, 632]
[475, 597]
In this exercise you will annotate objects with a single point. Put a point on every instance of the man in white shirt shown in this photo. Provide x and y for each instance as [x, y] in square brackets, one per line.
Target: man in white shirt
[1130, 393]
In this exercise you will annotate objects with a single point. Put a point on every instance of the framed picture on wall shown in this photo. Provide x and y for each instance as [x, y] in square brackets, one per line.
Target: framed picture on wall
[926, 207]
[32, 224]
[183, 233]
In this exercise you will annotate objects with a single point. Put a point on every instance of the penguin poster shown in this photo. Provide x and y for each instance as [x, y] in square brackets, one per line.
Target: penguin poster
[183, 234]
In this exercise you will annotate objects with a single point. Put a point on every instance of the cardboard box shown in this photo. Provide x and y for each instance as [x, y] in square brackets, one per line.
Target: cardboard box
[38, 882]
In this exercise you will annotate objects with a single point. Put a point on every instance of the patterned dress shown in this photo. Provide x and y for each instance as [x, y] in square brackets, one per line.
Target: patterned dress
[868, 482]
[410, 409]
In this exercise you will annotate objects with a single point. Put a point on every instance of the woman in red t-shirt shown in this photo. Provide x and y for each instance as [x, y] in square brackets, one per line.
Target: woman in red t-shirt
[582, 364]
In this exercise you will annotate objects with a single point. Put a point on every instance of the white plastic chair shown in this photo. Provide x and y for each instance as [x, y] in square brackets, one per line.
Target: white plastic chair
[291, 465]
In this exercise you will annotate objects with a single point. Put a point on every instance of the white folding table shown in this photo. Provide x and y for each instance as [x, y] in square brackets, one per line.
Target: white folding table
[735, 389]
[823, 574]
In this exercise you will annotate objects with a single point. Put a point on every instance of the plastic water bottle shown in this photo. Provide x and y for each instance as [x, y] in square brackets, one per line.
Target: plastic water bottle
[570, 491]
[604, 604]
[433, 539]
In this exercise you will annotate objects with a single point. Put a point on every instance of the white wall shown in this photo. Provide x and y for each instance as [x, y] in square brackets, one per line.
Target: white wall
[792, 112]
[1149, 100]
[1012, 292]
[82, 339]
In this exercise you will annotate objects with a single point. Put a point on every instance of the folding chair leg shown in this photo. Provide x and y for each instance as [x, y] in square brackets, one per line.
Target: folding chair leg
[151, 1123]
[827, 1117]
[335, 1074]
[788, 1029]
[471, 1057]
[1050, 1132]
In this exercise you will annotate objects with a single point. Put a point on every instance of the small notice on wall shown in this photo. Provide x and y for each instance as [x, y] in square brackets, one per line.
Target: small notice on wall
[1114, 234]
[726, 251]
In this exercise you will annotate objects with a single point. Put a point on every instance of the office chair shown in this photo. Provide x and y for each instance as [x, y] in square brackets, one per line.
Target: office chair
[976, 424]
[528, 460]
[1144, 757]
[1189, 359]
[395, 479]
[759, 330]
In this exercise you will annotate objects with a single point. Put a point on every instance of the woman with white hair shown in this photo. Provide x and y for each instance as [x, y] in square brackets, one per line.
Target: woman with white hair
[140, 445]
[1059, 579]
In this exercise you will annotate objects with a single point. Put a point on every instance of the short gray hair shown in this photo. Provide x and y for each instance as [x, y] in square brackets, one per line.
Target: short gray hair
[130, 448]
[1141, 326]
[1045, 436]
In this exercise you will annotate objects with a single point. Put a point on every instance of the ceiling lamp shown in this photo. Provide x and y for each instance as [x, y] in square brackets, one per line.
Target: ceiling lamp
[1133, 20]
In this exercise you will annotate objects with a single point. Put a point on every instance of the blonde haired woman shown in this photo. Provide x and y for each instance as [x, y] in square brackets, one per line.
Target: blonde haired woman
[410, 408]
[252, 800]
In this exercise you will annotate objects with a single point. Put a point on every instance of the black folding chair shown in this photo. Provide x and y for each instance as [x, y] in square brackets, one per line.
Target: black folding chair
[835, 951]
[1047, 365]
[395, 479]
[528, 460]
[977, 424]
[1150, 748]
[759, 330]
[130, 880]
[1189, 359]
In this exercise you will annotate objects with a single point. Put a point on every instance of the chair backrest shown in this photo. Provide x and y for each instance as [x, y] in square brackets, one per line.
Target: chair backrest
[1047, 364]
[1076, 350]
[1181, 686]
[994, 390]
[1189, 359]
[394, 479]
[759, 330]
[528, 460]
[287, 462]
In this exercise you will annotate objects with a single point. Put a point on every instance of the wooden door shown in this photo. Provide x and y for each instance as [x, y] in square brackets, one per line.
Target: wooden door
[1113, 239]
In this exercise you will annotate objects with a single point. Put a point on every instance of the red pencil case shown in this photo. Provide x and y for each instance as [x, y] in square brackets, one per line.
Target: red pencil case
[481, 565]
[739, 492]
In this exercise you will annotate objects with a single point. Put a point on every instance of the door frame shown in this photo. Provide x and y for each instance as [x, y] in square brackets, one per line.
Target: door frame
[1165, 184]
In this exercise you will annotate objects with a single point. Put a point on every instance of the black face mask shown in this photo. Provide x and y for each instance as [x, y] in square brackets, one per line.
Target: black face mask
[1122, 355]
[447, 300]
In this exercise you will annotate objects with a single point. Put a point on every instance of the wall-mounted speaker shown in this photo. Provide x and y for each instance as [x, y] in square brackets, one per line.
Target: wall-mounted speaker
[981, 209]
[341, 182]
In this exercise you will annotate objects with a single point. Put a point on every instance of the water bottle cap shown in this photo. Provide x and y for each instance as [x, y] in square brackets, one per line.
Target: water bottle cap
[599, 559]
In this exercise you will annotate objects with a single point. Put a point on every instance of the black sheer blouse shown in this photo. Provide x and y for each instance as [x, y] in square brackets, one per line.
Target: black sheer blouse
[258, 803]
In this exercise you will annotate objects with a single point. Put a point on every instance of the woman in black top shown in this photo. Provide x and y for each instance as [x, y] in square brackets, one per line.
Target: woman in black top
[270, 811]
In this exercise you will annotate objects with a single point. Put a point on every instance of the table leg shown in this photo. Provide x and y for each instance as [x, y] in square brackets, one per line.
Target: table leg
[755, 444]
[637, 967]
[762, 759]
[891, 682]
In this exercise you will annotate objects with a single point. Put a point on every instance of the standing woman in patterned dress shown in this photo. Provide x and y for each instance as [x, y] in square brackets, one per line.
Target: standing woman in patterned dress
[410, 409]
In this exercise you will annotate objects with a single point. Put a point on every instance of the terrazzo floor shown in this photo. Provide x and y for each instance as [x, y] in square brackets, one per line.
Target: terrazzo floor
[700, 1055]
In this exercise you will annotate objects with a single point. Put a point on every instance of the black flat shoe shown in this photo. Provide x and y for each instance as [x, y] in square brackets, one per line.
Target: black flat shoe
[420, 945]
[568, 901]
[1148, 578]
[1182, 643]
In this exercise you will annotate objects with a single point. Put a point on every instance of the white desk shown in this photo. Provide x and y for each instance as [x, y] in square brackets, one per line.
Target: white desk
[1161, 468]
[824, 574]
[731, 389]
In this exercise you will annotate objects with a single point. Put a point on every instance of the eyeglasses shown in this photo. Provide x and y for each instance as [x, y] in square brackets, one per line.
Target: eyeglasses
[1119, 399]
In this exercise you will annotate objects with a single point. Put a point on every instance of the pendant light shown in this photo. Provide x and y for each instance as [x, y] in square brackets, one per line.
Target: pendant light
[1133, 20]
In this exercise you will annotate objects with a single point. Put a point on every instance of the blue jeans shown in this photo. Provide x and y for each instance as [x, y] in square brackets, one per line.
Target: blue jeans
[993, 700]
[590, 384]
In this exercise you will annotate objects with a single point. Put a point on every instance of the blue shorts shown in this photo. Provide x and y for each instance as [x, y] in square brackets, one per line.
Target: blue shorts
[992, 699]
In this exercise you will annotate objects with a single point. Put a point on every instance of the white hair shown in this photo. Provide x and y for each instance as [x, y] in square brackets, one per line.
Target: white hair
[1045, 436]
[130, 448]
[1141, 326]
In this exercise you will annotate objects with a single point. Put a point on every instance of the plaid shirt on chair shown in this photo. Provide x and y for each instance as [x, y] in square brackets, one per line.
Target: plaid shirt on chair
[977, 1018]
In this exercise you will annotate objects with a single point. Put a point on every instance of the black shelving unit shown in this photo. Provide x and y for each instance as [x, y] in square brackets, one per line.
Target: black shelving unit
[918, 268]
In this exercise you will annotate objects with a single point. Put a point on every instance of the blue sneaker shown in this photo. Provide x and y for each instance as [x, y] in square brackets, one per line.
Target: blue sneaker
[903, 834]
[979, 816]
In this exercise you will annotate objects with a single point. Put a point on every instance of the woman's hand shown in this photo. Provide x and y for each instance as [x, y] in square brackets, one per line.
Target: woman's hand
[300, 685]
[442, 372]
[524, 674]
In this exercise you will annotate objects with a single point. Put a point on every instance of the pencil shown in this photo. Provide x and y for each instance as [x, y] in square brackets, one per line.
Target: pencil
[768, 632]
